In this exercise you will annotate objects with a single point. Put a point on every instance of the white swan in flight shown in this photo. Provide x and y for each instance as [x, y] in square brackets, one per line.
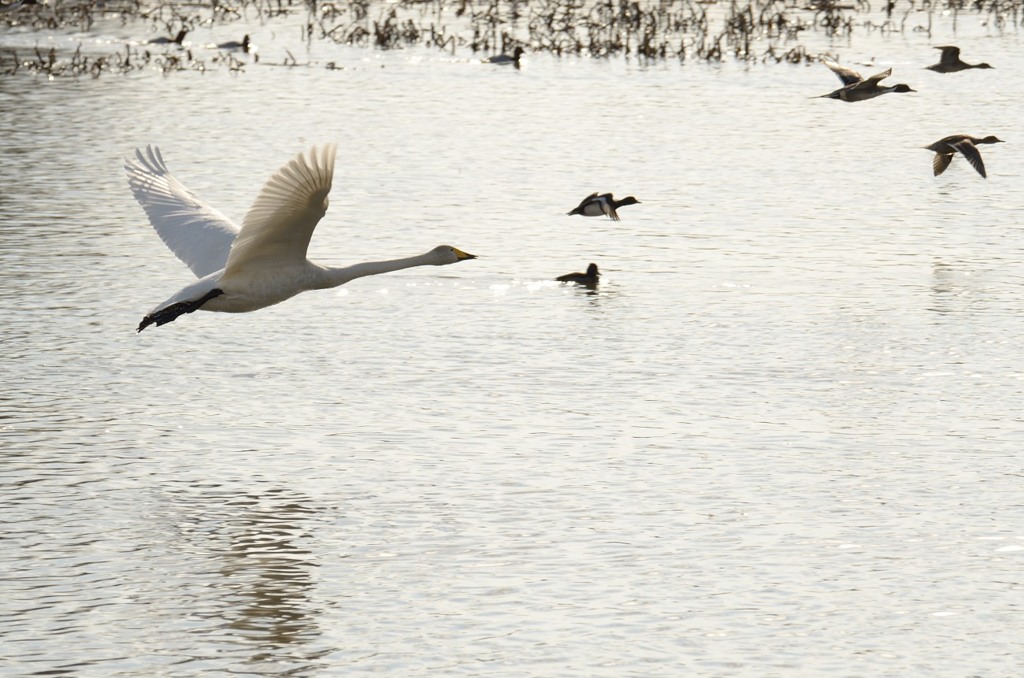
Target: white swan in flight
[264, 262]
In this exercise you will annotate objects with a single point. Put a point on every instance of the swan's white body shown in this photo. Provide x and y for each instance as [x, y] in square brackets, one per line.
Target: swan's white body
[263, 262]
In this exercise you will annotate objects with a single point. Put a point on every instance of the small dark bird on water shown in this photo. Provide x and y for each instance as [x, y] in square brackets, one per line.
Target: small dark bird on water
[505, 59]
[176, 40]
[950, 61]
[234, 44]
[589, 279]
[857, 88]
[965, 145]
[595, 205]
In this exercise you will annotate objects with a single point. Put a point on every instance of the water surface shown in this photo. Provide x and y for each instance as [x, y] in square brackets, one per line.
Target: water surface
[781, 438]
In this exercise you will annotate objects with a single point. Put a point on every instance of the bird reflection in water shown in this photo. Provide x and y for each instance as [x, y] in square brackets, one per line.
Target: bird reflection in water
[263, 594]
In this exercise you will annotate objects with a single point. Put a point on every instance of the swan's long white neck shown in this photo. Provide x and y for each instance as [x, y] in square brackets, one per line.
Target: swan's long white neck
[332, 277]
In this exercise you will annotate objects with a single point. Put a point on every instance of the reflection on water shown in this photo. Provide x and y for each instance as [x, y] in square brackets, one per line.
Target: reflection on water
[261, 592]
[227, 567]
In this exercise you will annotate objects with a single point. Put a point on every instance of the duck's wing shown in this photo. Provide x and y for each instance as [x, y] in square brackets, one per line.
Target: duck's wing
[940, 162]
[847, 76]
[947, 142]
[608, 206]
[583, 204]
[877, 78]
[972, 155]
[278, 226]
[198, 234]
[950, 54]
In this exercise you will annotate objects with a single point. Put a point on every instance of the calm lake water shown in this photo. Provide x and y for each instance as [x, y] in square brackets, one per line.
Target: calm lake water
[782, 438]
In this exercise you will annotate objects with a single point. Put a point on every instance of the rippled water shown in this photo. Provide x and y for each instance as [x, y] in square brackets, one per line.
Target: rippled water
[781, 438]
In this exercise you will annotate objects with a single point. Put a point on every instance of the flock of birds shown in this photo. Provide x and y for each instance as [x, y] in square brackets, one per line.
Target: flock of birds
[263, 262]
[858, 88]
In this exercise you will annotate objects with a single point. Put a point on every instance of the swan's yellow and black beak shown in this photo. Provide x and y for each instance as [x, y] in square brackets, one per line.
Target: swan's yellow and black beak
[463, 255]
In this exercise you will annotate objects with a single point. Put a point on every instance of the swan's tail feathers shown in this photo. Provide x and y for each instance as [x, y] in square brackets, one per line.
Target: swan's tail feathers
[171, 313]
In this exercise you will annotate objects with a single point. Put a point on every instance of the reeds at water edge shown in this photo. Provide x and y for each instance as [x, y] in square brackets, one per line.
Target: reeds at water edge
[646, 30]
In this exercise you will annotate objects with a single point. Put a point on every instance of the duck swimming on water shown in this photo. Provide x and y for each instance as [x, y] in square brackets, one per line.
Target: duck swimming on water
[176, 40]
[857, 88]
[506, 59]
[589, 279]
[235, 45]
[950, 61]
[595, 205]
[965, 145]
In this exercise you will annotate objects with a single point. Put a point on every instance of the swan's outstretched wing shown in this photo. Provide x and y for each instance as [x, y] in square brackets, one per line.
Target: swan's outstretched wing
[198, 234]
[277, 228]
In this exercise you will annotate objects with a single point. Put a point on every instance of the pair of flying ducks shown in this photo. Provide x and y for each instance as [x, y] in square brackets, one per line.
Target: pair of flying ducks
[858, 88]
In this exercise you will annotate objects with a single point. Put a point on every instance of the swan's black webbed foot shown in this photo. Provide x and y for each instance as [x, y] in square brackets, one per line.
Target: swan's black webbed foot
[166, 315]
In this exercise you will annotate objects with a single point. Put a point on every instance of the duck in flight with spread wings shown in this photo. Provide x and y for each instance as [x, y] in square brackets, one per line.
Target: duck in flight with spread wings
[594, 205]
[857, 88]
[965, 145]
